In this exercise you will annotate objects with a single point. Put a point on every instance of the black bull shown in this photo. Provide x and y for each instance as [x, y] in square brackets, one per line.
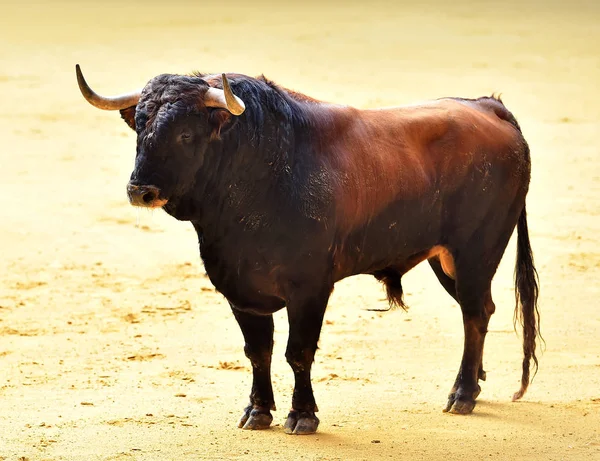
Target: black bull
[288, 195]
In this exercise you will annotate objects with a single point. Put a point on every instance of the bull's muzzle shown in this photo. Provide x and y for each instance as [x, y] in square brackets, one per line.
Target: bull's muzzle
[146, 196]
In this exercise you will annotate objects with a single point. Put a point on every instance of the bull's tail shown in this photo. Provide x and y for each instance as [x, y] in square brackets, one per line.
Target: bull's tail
[526, 296]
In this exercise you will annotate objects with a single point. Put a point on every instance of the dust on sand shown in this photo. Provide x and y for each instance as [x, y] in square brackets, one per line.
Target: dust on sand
[113, 345]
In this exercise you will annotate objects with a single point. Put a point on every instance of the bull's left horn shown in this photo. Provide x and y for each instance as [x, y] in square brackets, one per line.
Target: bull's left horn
[107, 103]
[234, 104]
[224, 98]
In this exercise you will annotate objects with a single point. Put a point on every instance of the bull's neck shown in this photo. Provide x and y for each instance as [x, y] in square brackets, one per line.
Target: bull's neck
[264, 167]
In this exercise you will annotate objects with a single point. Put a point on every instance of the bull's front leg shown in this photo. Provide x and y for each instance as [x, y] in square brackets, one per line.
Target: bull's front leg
[258, 335]
[305, 318]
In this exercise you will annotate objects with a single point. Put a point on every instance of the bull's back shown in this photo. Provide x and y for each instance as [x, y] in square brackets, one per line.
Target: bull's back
[417, 152]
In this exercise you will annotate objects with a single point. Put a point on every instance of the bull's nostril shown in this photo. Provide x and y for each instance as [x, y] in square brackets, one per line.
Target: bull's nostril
[149, 197]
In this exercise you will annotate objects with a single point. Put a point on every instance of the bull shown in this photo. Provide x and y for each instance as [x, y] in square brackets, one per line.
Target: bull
[289, 195]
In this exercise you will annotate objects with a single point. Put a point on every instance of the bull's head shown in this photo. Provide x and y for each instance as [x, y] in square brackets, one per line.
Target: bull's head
[175, 118]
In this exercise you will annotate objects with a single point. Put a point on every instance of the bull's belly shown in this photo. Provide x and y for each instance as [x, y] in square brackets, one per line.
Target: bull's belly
[401, 237]
[264, 269]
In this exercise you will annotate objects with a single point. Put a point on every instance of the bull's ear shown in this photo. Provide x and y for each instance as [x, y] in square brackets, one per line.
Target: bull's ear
[129, 116]
[220, 120]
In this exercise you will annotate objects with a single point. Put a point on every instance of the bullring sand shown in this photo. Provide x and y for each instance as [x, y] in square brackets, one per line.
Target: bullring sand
[113, 344]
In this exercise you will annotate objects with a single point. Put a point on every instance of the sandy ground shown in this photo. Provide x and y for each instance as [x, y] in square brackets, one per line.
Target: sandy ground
[114, 345]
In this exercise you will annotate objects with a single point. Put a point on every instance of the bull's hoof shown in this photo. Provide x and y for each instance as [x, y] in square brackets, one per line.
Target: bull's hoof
[301, 423]
[459, 407]
[461, 404]
[255, 418]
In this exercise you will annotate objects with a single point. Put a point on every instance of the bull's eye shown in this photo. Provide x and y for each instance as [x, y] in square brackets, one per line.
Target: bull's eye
[185, 136]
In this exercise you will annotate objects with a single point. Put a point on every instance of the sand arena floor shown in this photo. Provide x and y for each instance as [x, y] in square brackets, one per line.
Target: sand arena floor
[113, 344]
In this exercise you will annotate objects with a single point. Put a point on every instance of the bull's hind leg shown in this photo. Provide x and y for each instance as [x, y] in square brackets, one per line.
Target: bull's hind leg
[475, 262]
[477, 307]
[449, 285]
[258, 335]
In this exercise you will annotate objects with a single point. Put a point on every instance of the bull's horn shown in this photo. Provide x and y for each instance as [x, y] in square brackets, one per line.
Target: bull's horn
[107, 103]
[224, 99]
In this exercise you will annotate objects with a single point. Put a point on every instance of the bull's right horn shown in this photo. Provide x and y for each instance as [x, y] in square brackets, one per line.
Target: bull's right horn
[107, 103]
